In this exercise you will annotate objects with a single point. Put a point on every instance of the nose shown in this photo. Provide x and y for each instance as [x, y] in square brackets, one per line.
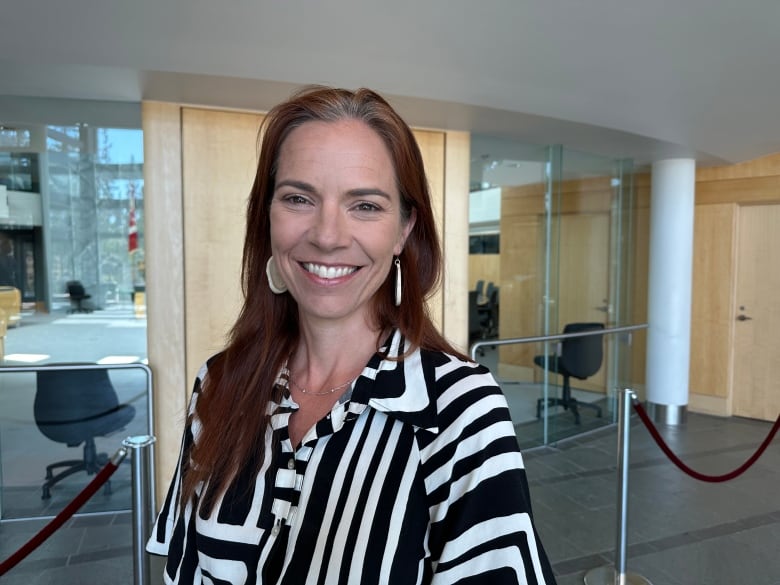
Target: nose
[330, 229]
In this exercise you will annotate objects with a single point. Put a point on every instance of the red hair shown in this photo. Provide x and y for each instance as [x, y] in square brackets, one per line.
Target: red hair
[232, 411]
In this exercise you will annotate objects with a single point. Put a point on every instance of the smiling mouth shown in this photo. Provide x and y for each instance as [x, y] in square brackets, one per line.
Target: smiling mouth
[329, 272]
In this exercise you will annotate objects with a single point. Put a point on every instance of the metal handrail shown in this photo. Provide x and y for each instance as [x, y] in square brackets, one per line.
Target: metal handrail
[556, 337]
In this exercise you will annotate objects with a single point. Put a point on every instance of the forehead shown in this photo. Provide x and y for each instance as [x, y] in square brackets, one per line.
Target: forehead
[343, 139]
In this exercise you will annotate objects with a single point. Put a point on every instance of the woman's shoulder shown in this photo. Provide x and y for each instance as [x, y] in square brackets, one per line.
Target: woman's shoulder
[211, 364]
[456, 384]
[468, 402]
[452, 370]
[200, 378]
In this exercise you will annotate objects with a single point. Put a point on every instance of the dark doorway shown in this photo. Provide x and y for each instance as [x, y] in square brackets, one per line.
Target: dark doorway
[17, 261]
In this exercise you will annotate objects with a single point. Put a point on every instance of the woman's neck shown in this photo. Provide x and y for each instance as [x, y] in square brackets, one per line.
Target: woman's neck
[328, 354]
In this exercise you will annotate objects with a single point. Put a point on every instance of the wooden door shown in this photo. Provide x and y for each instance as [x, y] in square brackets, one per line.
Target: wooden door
[583, 273]
[756, 362]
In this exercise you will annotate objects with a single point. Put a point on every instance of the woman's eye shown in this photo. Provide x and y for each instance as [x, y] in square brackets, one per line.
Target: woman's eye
[367, 206]
[296, 199]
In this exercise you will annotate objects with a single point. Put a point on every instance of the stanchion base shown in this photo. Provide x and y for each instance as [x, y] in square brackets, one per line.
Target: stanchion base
[608, 576]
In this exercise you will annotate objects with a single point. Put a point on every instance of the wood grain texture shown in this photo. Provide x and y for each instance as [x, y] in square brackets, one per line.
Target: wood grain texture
[219, 161]
[164, 244]
[760, 167]
[638, 270]
[712, 304]
[744, 190]
[432, 149]
[455, 236]
[756, 359]
[486, 267]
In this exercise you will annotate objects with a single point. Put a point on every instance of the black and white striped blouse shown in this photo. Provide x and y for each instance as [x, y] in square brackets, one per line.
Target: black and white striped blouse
[414, 477]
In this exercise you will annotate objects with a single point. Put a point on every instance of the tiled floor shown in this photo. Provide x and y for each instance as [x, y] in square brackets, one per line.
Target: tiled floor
[680, 531]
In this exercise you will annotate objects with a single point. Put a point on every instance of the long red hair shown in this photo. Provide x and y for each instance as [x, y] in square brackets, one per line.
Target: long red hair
[232, 410]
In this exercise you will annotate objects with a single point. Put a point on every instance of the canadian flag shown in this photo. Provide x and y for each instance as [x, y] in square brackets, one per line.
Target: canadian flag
[132, 231]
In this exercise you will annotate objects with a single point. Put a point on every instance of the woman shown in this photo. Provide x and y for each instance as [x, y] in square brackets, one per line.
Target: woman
[339, 438]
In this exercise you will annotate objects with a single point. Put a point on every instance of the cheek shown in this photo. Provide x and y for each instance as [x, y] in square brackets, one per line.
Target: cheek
[390, 242]
[281, 233]
[274, 236]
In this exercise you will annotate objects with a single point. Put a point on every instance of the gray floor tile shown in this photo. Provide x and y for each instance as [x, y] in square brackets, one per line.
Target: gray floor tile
[750, 557]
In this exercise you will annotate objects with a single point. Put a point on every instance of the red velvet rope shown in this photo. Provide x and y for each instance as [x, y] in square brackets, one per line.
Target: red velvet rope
[93, 486]
[640, 410]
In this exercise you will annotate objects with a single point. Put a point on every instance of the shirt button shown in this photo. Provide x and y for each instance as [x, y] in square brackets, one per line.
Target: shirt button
[276, 529]
[291, 463]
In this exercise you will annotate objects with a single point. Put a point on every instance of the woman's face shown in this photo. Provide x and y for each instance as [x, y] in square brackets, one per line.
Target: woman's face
[335, 219]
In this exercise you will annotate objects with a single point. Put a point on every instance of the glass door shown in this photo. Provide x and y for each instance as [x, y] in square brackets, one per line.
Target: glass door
[589, 243]
[564, 236]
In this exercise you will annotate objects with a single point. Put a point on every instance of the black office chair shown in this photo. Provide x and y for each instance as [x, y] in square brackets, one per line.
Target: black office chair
[491, 286]
[491, 312]
[475, 326]
[77, 296]
[480, 288]
[477, 321]
[580, 357]
[74, 407]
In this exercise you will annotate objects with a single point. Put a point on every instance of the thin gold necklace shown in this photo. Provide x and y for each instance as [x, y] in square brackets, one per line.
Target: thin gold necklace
[321, 392]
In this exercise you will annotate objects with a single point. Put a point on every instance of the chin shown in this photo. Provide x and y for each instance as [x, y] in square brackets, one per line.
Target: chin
[329, 313]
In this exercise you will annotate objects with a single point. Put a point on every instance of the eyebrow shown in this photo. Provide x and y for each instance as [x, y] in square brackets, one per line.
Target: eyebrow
[303, 186]
[309, 188]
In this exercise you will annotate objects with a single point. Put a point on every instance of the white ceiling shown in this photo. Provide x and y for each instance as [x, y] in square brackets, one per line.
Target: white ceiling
[629, 78]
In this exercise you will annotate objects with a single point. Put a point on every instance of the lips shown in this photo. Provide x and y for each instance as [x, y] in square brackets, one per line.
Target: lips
[329, 272]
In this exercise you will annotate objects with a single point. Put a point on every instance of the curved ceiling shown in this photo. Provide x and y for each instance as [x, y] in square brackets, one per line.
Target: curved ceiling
[628, 78]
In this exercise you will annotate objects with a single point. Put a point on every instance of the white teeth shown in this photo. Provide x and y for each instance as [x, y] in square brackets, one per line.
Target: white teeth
[329, 272]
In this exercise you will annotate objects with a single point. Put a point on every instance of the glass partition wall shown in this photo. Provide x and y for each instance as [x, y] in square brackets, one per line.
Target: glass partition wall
[561, 234]
[72, 288]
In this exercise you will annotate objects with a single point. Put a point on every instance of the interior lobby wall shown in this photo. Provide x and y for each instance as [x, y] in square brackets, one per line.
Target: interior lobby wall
[721, 192]
[717, 382]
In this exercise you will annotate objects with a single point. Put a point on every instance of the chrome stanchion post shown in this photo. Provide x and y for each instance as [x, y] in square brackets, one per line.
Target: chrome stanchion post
[142, 504]
[617, 575]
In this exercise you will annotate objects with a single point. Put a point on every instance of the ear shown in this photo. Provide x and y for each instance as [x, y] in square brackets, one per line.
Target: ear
[406, 229]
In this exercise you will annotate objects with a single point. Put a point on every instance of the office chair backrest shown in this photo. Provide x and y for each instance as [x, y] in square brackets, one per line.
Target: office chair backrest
[75, 289]
[582, 356]
[72, 406]
[492, 295]
[474, 317]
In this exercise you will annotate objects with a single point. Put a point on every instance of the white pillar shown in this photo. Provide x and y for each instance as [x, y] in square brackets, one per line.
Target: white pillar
[672, 201]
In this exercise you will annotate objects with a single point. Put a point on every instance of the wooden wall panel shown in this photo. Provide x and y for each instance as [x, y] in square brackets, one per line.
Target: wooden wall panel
[755, 190]
[761, 167]
[457, 163]
[719, 192]
[219, 161]
[592, 195]
[639, 269]
[485, 267]
[712, 318]
[432, 148]
[519, 286]
[522, 247]
[164, 244]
